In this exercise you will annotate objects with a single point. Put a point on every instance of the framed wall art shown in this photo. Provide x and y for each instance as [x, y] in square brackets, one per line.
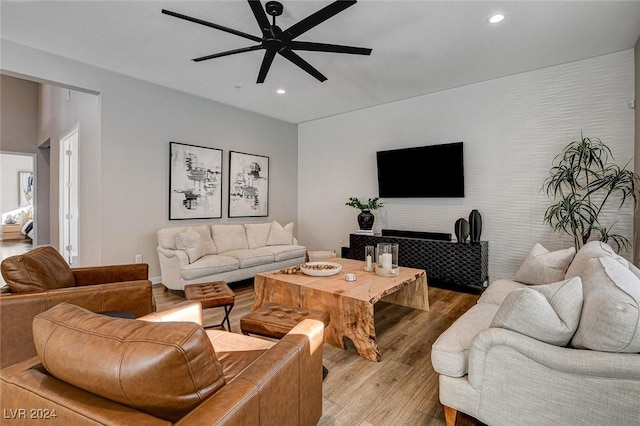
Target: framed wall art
[195, 182]
[248, 185]
[25, 188]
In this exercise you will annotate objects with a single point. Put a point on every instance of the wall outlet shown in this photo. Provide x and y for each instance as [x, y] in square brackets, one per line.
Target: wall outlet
[138, 258]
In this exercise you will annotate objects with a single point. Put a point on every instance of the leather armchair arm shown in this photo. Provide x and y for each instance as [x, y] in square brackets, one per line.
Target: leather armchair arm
[285, 381]
[17, 311]
[110, 274]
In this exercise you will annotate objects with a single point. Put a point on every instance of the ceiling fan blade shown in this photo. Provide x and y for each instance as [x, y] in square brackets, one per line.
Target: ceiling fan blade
[293, 57]
[260, 15]
[227, 53]
[318, 17]
[266, 64]
[212, 25]
[323, 47]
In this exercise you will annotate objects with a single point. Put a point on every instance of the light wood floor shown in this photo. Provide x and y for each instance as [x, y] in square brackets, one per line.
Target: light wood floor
[402, 389]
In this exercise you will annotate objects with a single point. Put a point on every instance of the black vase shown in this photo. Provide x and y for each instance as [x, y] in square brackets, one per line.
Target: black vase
[365, 220]
[475, 225]
[462, 230]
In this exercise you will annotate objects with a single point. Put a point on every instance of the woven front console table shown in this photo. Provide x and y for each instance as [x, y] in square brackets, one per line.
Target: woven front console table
[450, 264]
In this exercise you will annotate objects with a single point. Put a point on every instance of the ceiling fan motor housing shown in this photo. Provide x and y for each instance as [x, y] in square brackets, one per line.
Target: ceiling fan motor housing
[274, 8]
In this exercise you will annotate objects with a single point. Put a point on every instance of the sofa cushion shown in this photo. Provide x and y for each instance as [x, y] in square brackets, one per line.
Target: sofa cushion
[40, 269]
[191, 243]
[257, 234]
[610, 320]
[286, 252]
[544, 267]
[450, 352]
[549, 313]
[163, 369]
[229, 237]
[249, 258]
[209, 265]
[498, 290]
[280, 235]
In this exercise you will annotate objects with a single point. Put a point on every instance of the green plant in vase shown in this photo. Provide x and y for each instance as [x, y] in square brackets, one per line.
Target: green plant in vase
[582, 182]
[365, 218]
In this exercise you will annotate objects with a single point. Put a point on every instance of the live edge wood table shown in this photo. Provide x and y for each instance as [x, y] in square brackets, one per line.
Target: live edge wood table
[350, 304]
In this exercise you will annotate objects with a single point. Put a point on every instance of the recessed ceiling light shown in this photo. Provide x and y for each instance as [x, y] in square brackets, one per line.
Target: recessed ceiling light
[281, 91]
[496, 18]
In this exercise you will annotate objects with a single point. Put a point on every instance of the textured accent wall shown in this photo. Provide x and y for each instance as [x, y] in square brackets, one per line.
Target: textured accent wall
[511, 127]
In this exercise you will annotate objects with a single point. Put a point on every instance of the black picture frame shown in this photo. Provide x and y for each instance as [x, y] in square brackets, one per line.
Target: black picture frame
[195, 182]
[248, 185]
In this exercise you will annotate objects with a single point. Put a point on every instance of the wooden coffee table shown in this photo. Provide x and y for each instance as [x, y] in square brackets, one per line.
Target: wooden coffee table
[350, 304]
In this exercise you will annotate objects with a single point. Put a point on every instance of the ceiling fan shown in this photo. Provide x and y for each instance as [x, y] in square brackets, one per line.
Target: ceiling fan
[275, 40]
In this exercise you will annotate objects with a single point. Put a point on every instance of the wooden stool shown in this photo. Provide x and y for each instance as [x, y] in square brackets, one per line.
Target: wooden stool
[276, 320]
[212, 295]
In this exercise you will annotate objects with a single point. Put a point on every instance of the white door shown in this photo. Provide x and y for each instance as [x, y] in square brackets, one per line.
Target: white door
[69, 197]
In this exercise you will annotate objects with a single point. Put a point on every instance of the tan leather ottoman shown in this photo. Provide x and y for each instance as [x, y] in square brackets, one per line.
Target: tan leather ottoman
[276, 320]
[212, 295]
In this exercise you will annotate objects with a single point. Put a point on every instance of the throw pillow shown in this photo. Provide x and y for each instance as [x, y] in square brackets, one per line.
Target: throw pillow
[610, 319]
[40, 269]
[280, 235]
[544, 267]
[592, 250]
[229, 237]
[191, 243]
[207, 242]
[164, 369]
[549, 313]
[257, 234]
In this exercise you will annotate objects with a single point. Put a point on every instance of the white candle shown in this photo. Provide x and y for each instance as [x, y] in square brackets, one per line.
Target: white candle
[385, 259]
[369, 261]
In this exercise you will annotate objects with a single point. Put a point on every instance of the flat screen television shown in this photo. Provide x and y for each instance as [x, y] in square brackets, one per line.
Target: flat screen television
[422, 172]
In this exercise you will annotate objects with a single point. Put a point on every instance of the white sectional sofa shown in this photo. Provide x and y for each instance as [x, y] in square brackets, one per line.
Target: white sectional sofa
[225, 252]
[559, 345]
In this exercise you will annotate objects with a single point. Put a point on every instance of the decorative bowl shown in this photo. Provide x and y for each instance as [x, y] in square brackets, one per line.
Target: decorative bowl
[320, 269]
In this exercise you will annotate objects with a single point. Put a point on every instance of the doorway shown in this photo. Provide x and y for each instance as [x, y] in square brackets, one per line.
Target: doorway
[17, 203]
[69, 196]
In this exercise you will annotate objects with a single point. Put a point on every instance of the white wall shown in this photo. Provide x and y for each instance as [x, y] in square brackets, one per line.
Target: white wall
[139, 120]
[511, 127]
[19, 134]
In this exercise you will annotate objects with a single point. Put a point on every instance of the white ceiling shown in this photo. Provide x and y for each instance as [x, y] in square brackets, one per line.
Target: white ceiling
[419, 47]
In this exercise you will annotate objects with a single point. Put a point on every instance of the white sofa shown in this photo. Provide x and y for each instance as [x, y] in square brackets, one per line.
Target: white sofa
[225, 252]
[552, 348]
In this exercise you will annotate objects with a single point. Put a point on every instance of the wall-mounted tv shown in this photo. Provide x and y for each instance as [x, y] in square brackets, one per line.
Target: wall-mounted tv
[425, 171]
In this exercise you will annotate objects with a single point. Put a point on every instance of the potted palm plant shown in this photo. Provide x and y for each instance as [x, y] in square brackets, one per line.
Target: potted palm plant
[582, 182]
[365, 218]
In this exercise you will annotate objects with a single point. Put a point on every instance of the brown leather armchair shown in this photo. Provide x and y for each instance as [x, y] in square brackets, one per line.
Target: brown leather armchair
[172, 372]
[40, 279]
